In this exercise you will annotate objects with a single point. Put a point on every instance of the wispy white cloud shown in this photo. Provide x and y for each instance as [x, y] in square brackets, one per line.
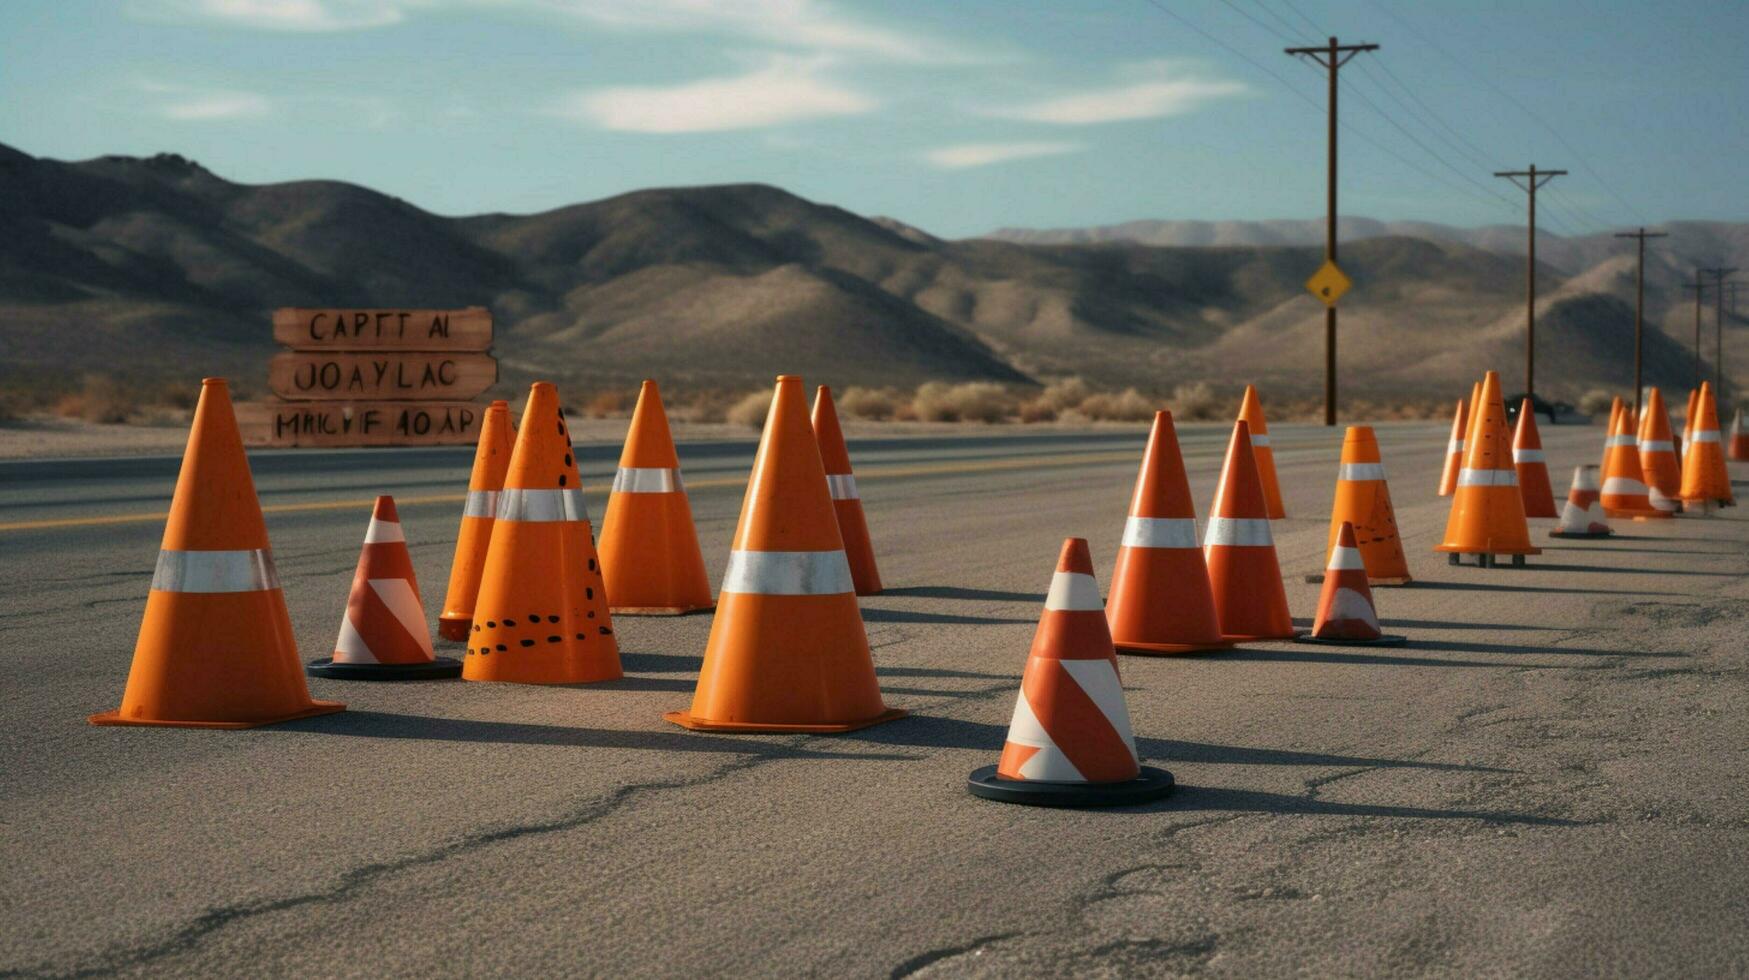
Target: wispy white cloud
[189, 103]
[1149, 91]
[282, 15]
[784, 90]
[963, 155]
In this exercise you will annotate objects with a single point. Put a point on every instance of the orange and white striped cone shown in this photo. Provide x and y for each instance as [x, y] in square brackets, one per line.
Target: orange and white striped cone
[1658, 463]
[1363, 500]
[1070, 742]
[1739, 451]
[1615, 410]
[650, 559]
[846, 502]
[1240, 550]
[1487, 511]
[491, 460]
[1251, 413]
[787, 651]
[1625, 495]
[1706, 482]
[1532, 465]
[1688, 418]
[542, 615]
[1583, 516]
[1454, 448]
[1161, 601]
[215, 648]
[1346, 616]
[384, 635]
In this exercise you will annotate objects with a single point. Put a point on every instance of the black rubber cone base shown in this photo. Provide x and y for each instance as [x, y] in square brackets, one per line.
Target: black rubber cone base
[1152, 784]
[1384, 640]
[437, 669]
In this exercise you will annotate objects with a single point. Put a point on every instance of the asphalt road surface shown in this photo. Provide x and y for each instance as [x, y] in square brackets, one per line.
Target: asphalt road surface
[1553, 779]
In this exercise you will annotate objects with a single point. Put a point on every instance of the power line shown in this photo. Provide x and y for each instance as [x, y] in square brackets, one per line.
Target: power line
[1242, 56]
[1279, 19]
[1241, 11]
[1319, 31]
[1453, 138]
[1427, 149]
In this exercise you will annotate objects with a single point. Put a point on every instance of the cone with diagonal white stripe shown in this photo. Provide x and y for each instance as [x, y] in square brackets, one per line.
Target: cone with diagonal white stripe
[215, 648]
[383, 633]
[1240, 550]
[1658, 462]
[1070, 741]
[1583, 516]
[1487, 511]
[1363, 500]
[649, 547]
[1531, 465]
[1346, 615]
[787, 651]
[485, 483]
[1454, 448]
[846, 501]
[542, 614]
[1161, 601]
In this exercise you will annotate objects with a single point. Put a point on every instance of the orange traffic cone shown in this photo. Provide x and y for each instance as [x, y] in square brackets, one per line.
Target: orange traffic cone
[1160, 596]
[852, 525]
[1657, 450]
[491, 460]
[1583, 517]
[1454, 449]
[1345, 610]
[1363, 500]
[1688, 418]
[650, 558]
[1739, 438]
[787, 651]
[1705, 480]
[1240, 551]
[542, 613]
[215, 648]
[1487, 511]
[1070, 743]
[1624, 485]
[1251, 412]
[383, 635]
[1615, 409]
[1532, 465]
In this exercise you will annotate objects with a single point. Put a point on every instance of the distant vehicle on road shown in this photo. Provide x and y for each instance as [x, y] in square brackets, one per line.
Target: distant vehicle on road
[1551, 411]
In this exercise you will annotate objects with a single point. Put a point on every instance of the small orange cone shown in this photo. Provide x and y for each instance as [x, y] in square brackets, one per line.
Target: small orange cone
[1345, 609]
[1532, 465]
[1454, 449]
[1624, 485]
[1251, 412]
[1070, 743]
[542, 613]
[650, 557]
[384, 635]
[841, 481]
[491, 460]
[1363, 500]
[215, 648]
[1487, 511]
[1739, 439]
[1160, 596]
[1240, 551]
[787, 651]
[1705, 480]
[1583, 517]
[1657, 449]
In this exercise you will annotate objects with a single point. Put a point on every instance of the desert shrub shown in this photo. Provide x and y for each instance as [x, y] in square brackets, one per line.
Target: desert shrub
[971, 401]
[1128, 405]
[1038, 409]
[608, 404]
[1195, 400]
[750, 410]
[1064, 394]
[877, 404]
[100, 398]
[1596, 402]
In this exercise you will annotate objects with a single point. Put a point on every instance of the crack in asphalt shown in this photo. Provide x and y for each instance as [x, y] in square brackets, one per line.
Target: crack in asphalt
[921, 960]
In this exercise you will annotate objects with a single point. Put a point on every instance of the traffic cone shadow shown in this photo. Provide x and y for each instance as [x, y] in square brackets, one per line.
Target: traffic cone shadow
[1346, 615]
[491, 461]
[383, 634]
[650, 557]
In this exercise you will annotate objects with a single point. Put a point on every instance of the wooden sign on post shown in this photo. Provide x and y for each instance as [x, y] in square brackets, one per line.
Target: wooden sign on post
[337, 424]
[403, 375]
[423, 330]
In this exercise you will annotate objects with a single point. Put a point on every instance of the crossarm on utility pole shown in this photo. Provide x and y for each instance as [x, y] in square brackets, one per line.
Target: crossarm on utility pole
[1533, 179]
[1640, 307]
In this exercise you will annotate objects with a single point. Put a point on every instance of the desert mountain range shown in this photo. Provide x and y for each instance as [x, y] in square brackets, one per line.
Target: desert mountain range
[156, 267]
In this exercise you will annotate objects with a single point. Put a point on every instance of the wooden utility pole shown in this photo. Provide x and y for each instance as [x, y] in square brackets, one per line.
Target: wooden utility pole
[1718, 275]
[1640, 307]
[1699, 286]
[1332, 57]
[1533, 179]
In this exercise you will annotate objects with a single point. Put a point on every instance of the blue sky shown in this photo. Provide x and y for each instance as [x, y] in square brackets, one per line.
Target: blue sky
[955, 116]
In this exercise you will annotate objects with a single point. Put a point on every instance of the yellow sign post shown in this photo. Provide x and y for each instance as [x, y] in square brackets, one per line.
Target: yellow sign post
[1329, 283]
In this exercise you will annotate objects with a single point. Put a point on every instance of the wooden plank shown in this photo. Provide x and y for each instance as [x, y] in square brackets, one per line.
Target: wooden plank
[467, 329]
[410, 376]
[340, 424]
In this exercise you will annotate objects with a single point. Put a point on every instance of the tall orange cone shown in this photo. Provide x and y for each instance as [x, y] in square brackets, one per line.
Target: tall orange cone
[383, 634]
[1532, 465]
[1657, 449]
[542, 613]
[1240, 550]
[841, 481]
[1625, 494]
[1739, 450]
[1346, 616]
[1070, 742]
[1583, 517]
[650, 557]
[787, 651]
[1454, 448]
[1615, 410]
[491, 460]
[1251, 412]
[1688, 419]
[1363, 500]
[1487, 511]
[1160, 596]
[215, 648]
[1705, 480]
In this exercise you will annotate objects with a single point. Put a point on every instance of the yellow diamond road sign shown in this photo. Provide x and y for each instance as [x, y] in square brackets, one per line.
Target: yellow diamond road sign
[1328, 283]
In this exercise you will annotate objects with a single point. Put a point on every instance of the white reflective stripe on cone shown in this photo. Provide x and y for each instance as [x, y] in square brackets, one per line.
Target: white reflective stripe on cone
[646, 479]
[1705, 435]
[1159, 532]
[383, 532]
[1659, 500]
[1487, 478]
[1259, 440]
[842, 485]
[1621, 486]
[1454, 446]
[542, 506]
[215, 571]
[1074, 592]
[1345, 559]
[1099, 679]
[1251, 532]
[1357, 472]
[1622, 439]
[1658, 446]
[1048, 763]
[1528, 456]
[481, 503]
[788, 573]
